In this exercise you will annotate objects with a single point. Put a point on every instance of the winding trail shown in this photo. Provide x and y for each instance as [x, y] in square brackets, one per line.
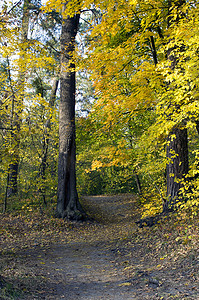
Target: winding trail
[85, 267]
[108, 259]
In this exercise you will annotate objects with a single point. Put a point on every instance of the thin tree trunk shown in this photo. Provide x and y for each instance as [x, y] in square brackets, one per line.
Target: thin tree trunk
[137, 180]
[67, 202]
[14, 165]
[12, 187]
[197, 126]
[6, 196]
[46, 141]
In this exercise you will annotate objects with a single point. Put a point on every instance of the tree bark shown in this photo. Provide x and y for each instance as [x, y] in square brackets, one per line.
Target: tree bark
[46, 140]
[12, 187]
[137, 180]
[177, 142]
[68, 205]
[177, 167]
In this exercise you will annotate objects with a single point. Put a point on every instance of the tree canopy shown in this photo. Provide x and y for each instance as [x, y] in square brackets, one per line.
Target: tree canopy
[137, 126]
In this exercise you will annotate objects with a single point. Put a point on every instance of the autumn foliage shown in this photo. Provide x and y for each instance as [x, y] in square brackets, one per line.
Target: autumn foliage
[137, 94]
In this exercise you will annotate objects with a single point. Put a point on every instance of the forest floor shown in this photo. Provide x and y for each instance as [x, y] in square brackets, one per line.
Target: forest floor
[109, 258]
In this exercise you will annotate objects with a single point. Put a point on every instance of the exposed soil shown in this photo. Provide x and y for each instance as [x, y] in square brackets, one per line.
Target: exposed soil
[108, 259]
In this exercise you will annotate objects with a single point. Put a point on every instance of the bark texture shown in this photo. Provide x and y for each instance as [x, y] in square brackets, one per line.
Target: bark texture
[68, 205]
[46, 140]
[177, 167]
[12, 187]
[177, 146]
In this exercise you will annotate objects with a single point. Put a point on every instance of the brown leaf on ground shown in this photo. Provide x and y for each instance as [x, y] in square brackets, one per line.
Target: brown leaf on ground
[109, 258]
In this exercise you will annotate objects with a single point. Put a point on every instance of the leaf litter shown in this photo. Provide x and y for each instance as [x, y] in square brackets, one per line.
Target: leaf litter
[109, 258]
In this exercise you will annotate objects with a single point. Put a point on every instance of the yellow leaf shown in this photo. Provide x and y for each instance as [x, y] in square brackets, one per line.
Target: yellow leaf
[125, 284]
[158, 266]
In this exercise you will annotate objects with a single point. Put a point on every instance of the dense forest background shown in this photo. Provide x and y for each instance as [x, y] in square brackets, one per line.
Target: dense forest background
[137, 112]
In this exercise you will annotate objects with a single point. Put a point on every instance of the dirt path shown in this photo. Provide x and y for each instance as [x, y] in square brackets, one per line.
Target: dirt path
[81, 271]
[106, 260]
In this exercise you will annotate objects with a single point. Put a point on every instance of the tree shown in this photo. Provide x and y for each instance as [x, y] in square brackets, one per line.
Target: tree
[177, 142]
[17, 107]
[67, 203]
[139, 58]
[26, 61]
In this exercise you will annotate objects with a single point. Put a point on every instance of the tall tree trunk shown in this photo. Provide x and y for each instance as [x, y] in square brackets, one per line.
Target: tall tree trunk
[6, 196]
[12, 187]
[177, 167]
[46, 140]
[177, 146]
[68, 205]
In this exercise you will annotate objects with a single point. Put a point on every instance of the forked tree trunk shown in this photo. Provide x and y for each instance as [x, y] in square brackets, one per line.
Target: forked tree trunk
[68, 205]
